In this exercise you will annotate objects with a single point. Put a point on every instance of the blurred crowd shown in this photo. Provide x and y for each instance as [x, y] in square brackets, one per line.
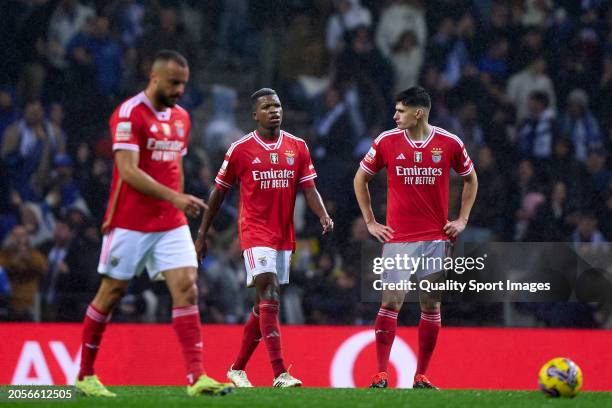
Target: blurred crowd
[526, 84]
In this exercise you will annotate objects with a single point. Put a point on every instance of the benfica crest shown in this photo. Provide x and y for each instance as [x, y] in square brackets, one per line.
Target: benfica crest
[436, 154]
[290, 157]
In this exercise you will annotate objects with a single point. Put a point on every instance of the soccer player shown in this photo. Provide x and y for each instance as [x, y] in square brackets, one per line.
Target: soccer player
[145, 222]
[271, 166]
[418, 157]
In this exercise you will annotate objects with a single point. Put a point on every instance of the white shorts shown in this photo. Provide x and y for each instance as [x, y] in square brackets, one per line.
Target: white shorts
[125, 252]
[260, 260]
[429, 254]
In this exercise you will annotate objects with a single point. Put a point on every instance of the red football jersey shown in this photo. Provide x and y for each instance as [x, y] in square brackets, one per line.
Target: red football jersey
[269, 175]
[161, 140]
[418, 180]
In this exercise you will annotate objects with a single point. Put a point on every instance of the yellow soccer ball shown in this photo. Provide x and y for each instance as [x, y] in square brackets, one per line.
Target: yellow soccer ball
[560, 377]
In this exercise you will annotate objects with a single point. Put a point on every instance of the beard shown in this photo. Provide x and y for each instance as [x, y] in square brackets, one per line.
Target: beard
[166, 100]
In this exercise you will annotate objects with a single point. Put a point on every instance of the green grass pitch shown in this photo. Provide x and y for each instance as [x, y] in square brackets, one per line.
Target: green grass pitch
[168, 397]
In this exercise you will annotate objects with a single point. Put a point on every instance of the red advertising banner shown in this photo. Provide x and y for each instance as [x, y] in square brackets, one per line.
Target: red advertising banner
[322, 356]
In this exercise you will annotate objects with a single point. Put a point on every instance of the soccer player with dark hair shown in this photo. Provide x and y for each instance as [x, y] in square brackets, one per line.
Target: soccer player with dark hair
[418, 157]
[145, 222]
[271, 166]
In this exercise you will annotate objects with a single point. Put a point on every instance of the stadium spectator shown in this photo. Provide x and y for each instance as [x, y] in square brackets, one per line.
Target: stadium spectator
[579, 125]
[553, 220]
[486, 221]
[169, 33]
[96, 49]
[407, 58]
[467, 124]
[587, 232]
[222, 130]
[38, 221]
[539, 128]
[399, 17]
[223, 284]
[522, 85]
[495, 60]
[55, 252]
[66, 21]
[362, 69]
[28, 148]
[596, 167]
[349, 15]
[63, 192]
[25, 267]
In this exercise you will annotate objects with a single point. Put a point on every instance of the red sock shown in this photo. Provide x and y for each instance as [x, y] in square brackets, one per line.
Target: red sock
[186, 323]
[429, 326]
[270, 331]
[94, 324]
[250, 339]
[384, 328]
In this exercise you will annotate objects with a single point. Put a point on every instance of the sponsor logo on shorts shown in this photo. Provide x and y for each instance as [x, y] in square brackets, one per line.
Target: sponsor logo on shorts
[263, 261]
[114, 261]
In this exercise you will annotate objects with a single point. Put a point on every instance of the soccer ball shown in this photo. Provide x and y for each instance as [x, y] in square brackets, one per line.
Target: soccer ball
[560, 377]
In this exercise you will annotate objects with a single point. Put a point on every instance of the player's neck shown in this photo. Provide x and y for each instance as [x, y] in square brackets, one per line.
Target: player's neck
[268, 134]
[419, 132]
[158, 106]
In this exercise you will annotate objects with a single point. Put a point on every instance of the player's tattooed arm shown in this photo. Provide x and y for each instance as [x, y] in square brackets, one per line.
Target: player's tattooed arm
[315, 203]
[360, 183]
[127, 163]
[468, 196]
[214, 203]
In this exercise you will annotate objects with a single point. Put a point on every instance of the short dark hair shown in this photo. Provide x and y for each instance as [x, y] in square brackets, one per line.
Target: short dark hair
[171, 55]
[414, 96]
[259, 93]
[540, 96]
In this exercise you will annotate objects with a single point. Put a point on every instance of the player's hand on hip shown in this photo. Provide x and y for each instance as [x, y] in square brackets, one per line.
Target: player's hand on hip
[327, 223]
[454, 228]
[380, 232]
[201, 247]
[189, 204]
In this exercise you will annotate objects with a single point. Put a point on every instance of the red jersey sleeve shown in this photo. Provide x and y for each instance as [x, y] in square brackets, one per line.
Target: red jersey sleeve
[461, 161]
[227, 173]
[124, 132]
[306, 172]
[373, 161]
[187, 133]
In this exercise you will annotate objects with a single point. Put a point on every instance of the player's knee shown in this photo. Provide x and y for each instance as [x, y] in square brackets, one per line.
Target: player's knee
[430, 305]
[108, 298]
[395, 306]
[270, 292]
[188, 291]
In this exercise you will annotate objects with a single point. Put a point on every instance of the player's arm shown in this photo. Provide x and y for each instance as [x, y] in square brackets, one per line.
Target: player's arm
[468, 196]
[362, 192]
[127, 164]
[315, 203]
[214, 203]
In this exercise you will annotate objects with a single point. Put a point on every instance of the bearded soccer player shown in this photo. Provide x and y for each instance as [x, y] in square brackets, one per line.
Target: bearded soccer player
[418, 157]
[145, 222]
[271, 166]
